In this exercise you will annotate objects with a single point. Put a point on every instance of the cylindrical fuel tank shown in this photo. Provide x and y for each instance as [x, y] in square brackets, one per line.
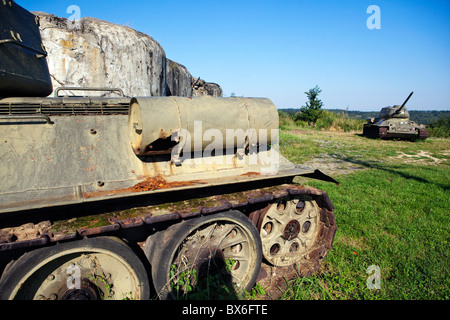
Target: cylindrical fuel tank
[156, 122]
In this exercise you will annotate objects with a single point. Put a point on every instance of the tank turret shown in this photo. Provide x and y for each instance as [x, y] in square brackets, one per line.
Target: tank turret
[23, 67]
[396, 111]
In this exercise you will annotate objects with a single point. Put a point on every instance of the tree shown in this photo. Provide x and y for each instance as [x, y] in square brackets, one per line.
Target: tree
[440, 128]
[312, 111]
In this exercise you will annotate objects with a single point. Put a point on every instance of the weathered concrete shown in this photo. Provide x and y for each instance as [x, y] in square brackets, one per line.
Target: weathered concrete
[97, 53]
[202, 88]
[178, 80]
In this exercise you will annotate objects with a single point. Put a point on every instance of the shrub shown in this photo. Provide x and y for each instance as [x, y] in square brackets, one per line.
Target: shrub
[312, 110]
[440, 128]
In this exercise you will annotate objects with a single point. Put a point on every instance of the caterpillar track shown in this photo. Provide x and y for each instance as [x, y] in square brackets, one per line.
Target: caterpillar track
[137, 225]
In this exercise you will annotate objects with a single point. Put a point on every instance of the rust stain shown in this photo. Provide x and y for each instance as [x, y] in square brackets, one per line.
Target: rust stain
[251, 174]
[150, 184]
[159, 182]
[67, 44]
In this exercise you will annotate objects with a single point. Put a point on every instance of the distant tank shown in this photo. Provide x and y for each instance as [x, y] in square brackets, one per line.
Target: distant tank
[394, 122]
[128, 198]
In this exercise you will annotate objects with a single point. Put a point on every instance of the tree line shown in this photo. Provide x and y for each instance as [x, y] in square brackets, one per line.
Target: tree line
[419, 116]
[312, 114]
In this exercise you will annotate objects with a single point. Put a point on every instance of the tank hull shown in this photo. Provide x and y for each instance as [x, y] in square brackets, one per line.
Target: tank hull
[374, 131]
[68, 159]
[70, 172]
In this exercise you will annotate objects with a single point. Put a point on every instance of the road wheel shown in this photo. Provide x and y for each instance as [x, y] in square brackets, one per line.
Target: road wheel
[296, 231]
[225, 246]
[89, 269]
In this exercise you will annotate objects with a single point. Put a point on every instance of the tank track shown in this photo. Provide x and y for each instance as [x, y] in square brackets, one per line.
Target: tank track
[423, 134]
[141, 222]
[138, 224]
[374, 132]
[39, 234]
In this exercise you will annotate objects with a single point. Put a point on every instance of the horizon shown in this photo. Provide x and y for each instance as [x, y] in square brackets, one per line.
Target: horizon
[337, 109]
[364, 55]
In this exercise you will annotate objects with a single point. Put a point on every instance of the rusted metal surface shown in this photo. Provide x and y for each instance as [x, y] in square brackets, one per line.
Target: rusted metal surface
[47, 165]
[149, 184]
[423, 134]
[159, 182]
[39, 234]
[64, 106]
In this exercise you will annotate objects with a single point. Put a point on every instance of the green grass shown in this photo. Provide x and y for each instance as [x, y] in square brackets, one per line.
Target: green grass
[393, 215]
[301, 144]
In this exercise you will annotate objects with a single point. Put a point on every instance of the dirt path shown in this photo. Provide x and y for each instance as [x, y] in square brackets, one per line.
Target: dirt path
[332, 165]
[421, 157]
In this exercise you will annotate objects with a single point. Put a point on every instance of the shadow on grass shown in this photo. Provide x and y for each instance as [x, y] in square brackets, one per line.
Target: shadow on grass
[397, 170]
[210, 280]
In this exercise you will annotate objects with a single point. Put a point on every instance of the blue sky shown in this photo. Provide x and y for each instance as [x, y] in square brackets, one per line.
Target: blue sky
[280, 49]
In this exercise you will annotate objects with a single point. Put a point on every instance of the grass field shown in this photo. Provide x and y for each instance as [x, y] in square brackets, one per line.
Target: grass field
[392, 211]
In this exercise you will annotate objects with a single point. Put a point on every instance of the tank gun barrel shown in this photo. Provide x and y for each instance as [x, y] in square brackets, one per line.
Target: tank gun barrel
[404, 103]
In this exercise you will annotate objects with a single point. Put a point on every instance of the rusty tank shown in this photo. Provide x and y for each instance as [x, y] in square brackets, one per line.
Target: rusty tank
[394, 122]
[122, 197]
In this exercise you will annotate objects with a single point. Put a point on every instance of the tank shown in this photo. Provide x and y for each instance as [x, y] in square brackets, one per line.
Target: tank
[141, 197]
[394, 122]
